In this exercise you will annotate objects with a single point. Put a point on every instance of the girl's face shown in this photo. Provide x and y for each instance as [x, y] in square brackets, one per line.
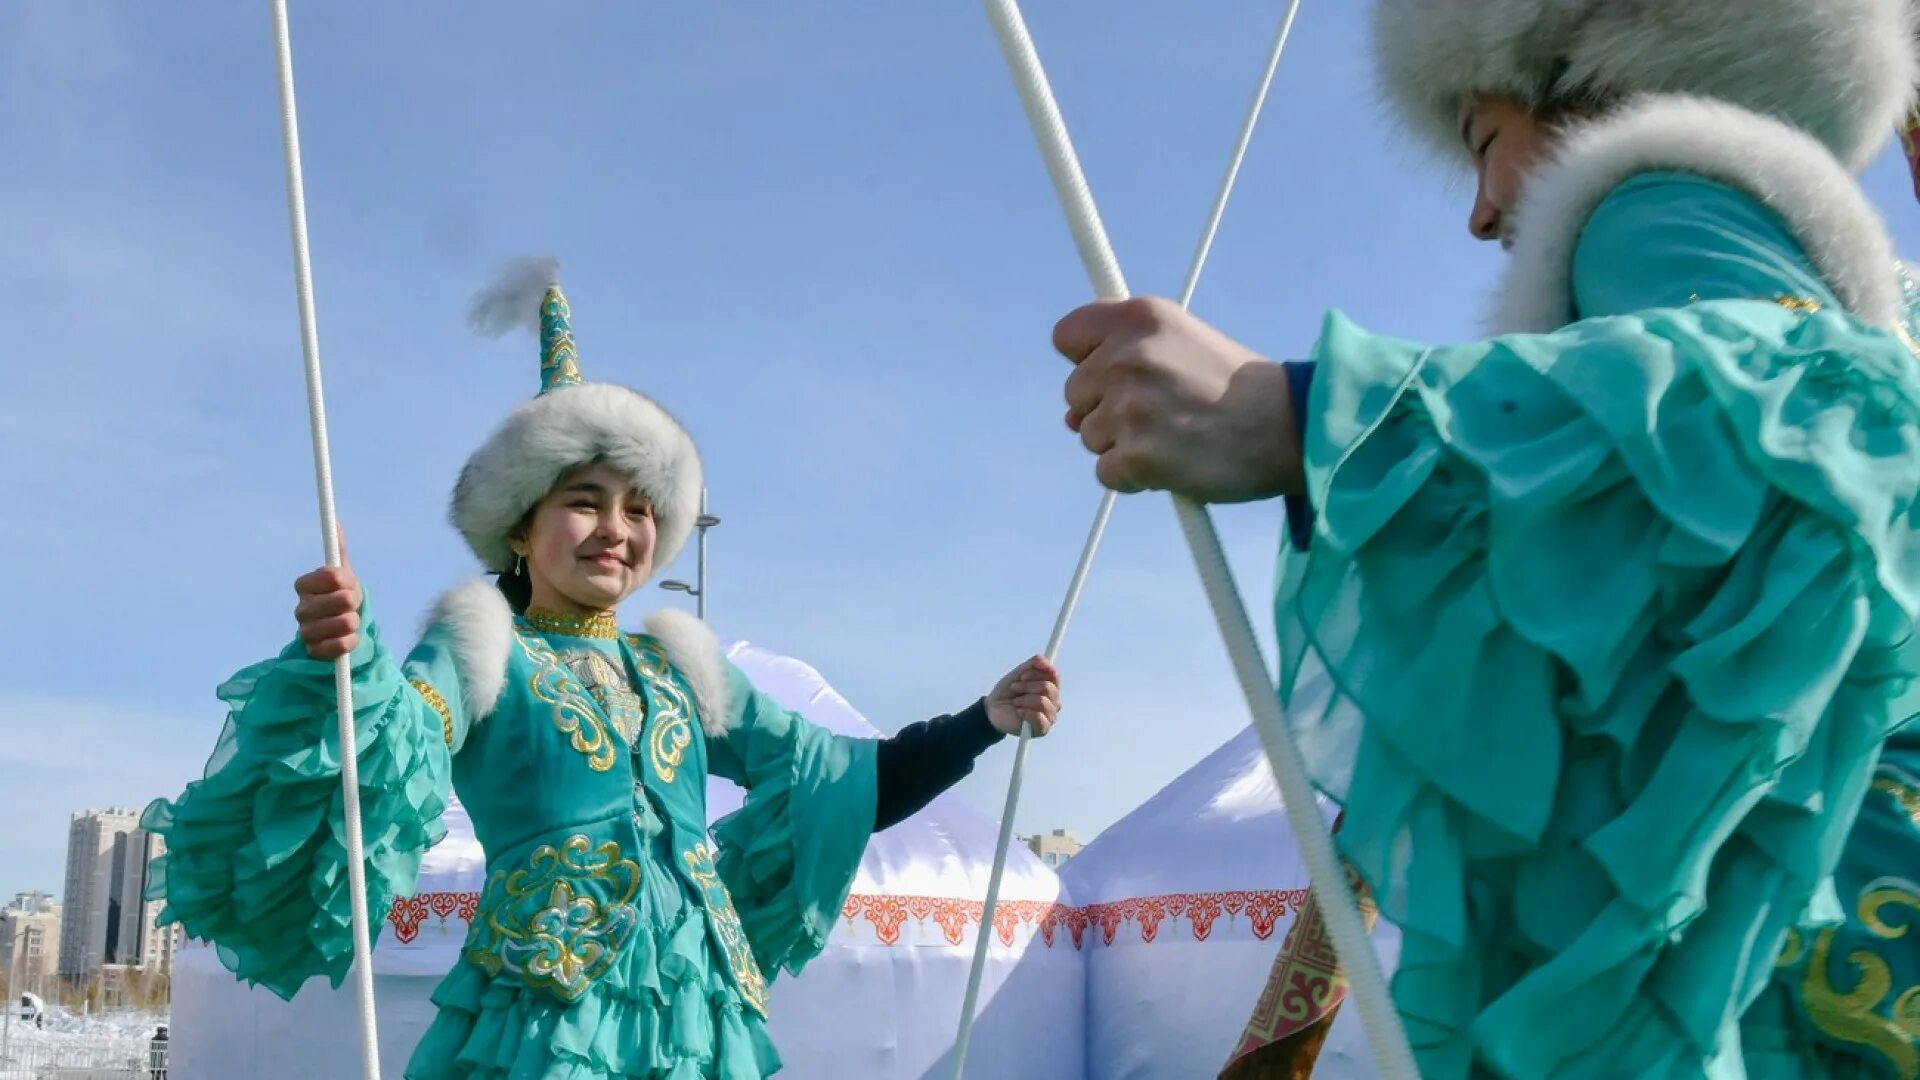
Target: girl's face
[589, 543]
[1506, 139]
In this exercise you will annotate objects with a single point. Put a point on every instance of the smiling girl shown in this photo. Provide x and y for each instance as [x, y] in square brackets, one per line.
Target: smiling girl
[614, 936]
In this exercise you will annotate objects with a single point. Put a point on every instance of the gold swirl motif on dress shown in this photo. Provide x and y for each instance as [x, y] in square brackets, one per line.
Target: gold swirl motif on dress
[672, 730]
[1852, 1016]
[1903, 791]
[542, 925]
[553, 682]
[726, 926]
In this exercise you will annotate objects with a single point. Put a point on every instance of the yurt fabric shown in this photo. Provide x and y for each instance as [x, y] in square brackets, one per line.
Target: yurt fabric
[1187, 901]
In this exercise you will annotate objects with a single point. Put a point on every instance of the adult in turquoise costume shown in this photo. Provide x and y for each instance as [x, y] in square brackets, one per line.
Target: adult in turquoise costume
[615, 937]
[1616, 604]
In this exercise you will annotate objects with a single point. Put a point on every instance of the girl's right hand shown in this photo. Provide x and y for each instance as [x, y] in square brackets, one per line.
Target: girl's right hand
[329, 609]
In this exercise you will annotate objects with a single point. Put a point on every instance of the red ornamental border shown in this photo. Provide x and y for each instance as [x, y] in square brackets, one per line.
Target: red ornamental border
[1264, 908]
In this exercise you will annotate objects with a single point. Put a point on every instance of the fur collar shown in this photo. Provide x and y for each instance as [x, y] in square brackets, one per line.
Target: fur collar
[1787, 170]
[695, 653]
[480, 625]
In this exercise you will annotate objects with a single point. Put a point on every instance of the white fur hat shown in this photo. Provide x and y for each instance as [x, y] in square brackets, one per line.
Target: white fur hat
[570, 423]
[1842, 70]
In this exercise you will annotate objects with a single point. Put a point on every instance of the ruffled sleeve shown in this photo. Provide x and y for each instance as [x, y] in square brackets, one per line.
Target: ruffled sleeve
[1596, 643]
[256, 858]
[788, 856]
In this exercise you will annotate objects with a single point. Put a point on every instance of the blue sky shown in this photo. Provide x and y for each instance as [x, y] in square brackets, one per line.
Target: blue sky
[820, 233]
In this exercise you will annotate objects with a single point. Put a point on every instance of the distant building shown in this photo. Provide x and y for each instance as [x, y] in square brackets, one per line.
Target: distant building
[34, 903]
[105, 919]
[30, 947]
[1054, 848]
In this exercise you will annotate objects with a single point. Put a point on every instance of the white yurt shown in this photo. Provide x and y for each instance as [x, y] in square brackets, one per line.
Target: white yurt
[883, 999]
[1186, 902]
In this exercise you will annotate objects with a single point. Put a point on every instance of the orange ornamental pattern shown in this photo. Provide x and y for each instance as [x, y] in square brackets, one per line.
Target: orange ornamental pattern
[1144, 919]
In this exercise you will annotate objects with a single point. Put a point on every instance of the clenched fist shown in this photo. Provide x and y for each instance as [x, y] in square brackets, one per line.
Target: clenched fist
[1169, 403]
[1029, 694]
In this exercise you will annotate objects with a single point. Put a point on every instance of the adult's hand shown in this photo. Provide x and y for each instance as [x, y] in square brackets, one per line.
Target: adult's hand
[1168, 403]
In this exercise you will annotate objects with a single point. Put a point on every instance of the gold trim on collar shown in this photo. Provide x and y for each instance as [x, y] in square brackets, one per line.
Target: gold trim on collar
[600, 624]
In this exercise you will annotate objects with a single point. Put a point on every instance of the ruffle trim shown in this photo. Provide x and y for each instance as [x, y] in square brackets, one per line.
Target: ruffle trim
[789, 855]
[661, 1014]
[256, 858]
[1683, 536]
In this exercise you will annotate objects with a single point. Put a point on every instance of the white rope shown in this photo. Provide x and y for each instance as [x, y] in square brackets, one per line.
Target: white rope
[1385, 1035]
[330, 540]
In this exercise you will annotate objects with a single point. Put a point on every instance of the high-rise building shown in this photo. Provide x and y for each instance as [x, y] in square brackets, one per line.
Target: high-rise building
[105, 919]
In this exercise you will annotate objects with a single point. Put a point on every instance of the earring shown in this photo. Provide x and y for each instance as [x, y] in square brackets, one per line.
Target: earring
[519, 565]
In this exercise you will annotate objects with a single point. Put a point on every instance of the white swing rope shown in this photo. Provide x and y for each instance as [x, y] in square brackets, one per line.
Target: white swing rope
[1385, 1035]
[330, 539]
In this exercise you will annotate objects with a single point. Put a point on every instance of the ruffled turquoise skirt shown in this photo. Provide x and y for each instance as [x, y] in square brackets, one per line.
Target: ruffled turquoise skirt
[1616, 621]
[664, 1011]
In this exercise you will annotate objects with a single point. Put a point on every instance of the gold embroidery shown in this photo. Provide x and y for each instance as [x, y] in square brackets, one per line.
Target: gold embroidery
[600, 624]
[608, 684]
[545, 924]
[439, 704]
[1798, 303]
[726, 926]
[554, 684]
[1886, 894]
[1904, 793]
[1852, 1016]
[672, 729]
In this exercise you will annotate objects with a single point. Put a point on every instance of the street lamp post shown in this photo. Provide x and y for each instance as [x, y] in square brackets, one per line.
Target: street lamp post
[699, 590]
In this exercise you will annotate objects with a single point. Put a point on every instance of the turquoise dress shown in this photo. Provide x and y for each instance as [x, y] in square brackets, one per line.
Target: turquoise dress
[614, 937]
[1619, 624]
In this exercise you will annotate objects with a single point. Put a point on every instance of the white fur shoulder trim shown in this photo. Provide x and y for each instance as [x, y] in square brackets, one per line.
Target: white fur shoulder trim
[480, 621]
[694, 651]
[1786, 169]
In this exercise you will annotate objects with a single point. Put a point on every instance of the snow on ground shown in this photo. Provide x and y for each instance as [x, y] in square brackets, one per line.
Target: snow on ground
[75, 1047]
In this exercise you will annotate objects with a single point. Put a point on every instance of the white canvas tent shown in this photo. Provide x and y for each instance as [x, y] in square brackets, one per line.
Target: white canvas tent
[1187, 901]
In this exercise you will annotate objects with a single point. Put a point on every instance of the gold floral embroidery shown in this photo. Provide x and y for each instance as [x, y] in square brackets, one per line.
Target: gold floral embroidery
[1798, 303]
[726, 926]
[672, 729]
[1852, 1016]
[553, 682]
[600, 624]
[433, 698]
[559, 923]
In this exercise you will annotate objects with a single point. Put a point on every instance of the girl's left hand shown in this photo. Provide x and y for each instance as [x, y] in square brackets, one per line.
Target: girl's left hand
[1029, 694]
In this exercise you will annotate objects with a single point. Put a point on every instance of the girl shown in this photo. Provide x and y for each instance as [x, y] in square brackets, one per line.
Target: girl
[1616, 606]
[614, 937]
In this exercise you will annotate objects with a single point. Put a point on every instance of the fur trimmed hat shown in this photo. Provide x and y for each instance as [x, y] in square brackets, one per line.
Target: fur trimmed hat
[1844, 71]
[570, 423]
